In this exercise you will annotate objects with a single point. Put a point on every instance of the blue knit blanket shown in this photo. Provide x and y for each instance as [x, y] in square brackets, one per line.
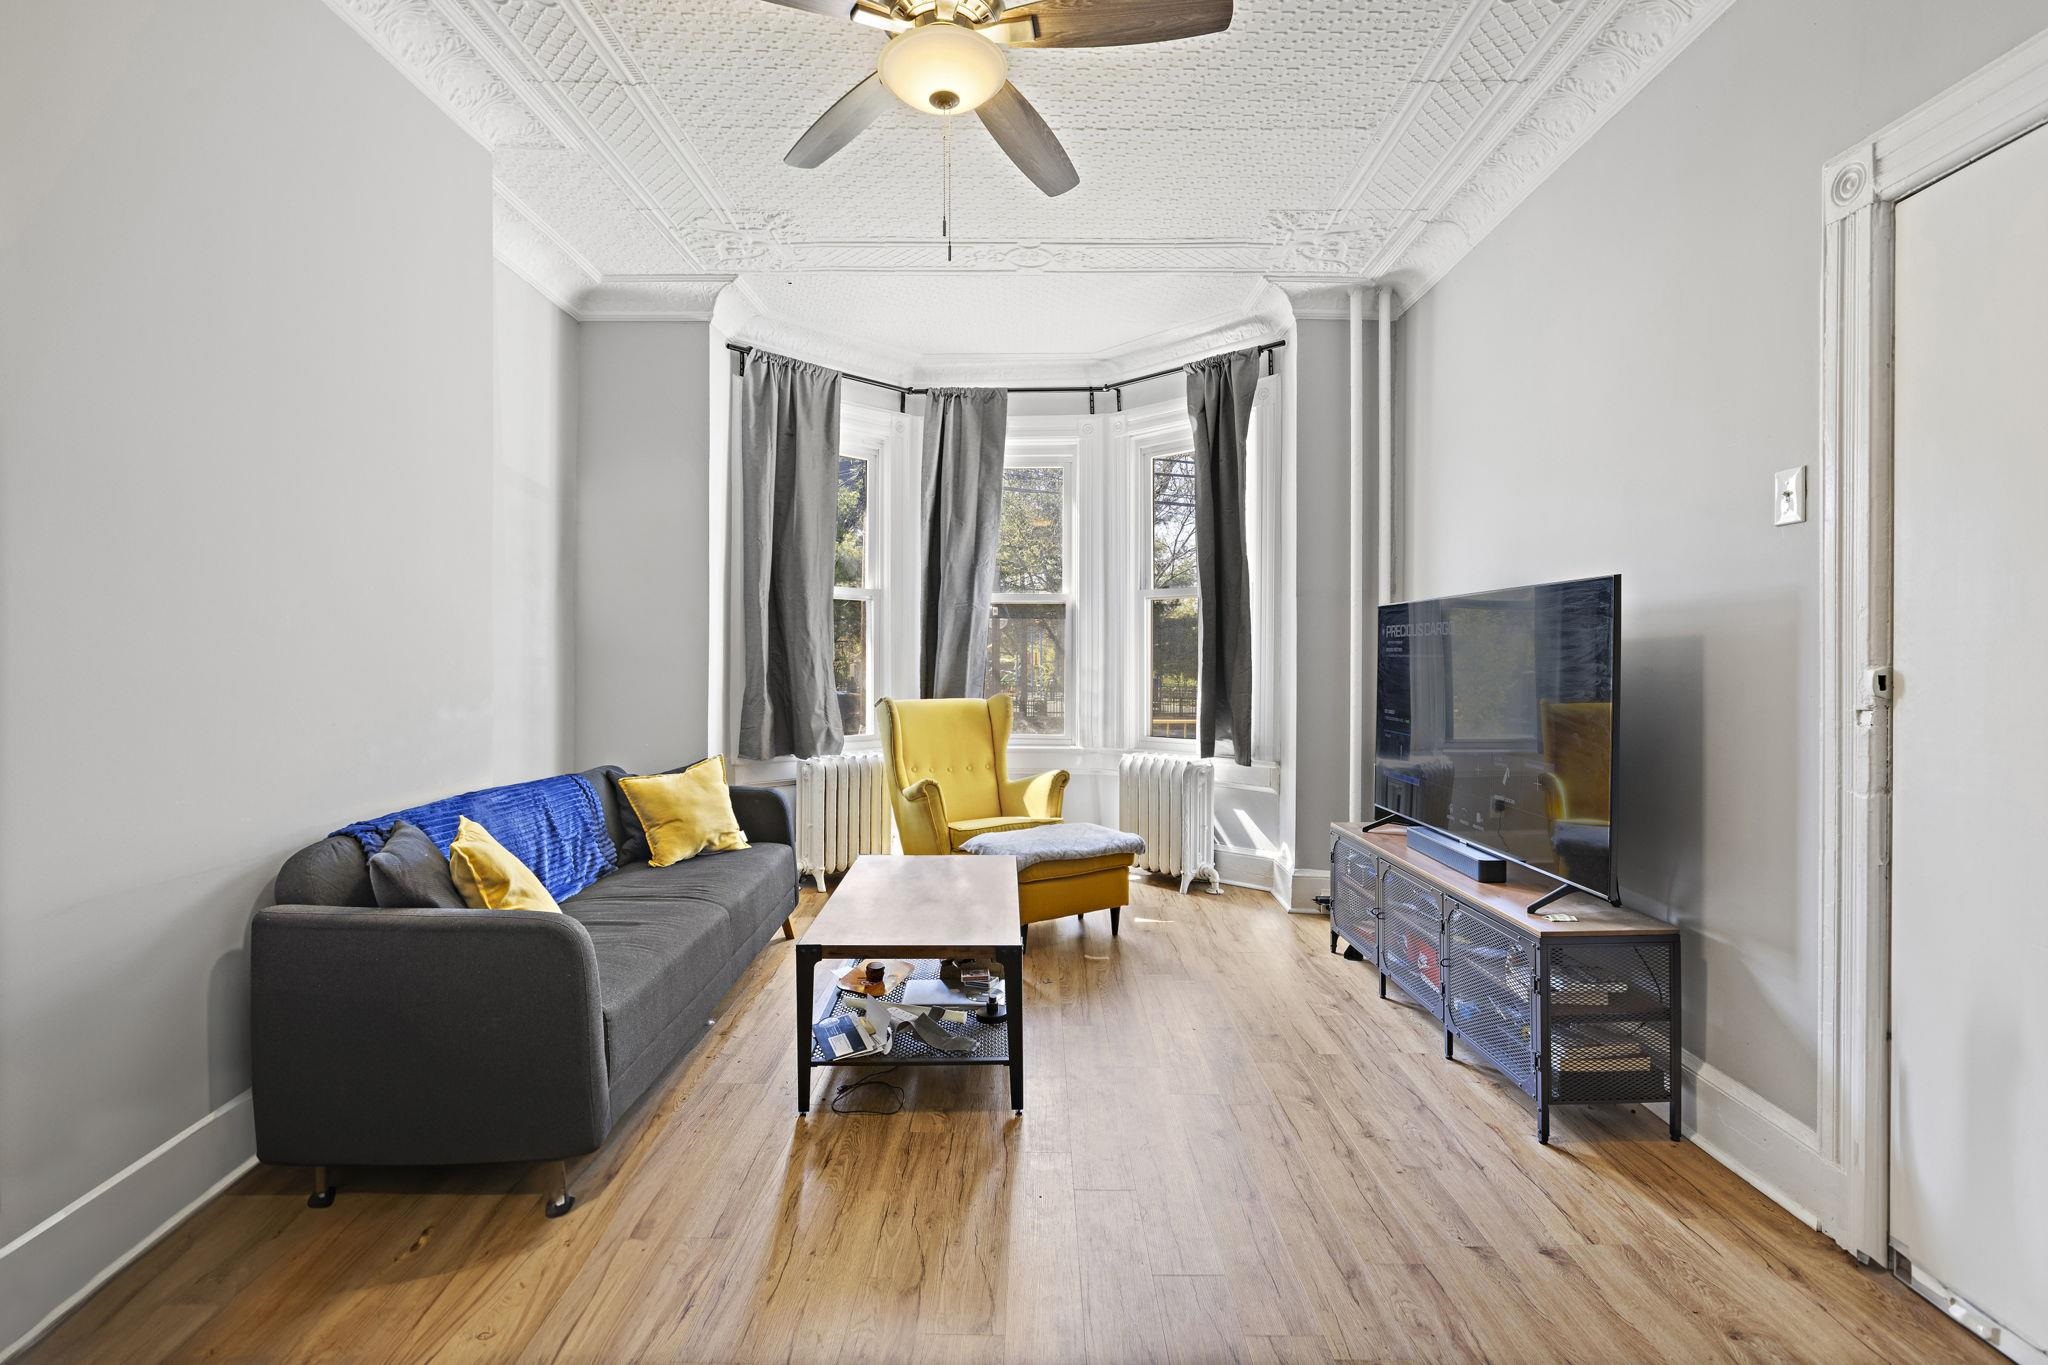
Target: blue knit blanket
[555, 826]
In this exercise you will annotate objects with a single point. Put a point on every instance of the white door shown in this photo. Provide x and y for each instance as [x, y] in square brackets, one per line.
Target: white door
[1969, 978]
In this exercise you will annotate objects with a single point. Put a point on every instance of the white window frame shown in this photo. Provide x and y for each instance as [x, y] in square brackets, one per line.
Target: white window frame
[866, 592]
[883, 437]
[1053, 443]
[1140, 435]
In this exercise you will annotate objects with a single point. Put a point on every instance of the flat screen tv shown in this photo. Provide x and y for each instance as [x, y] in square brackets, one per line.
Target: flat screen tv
[1497, 723]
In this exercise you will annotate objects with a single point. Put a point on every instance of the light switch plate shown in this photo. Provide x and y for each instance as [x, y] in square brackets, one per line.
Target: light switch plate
[1790, 494]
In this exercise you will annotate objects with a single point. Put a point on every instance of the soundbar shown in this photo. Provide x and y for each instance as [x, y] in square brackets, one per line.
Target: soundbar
[1473, 861]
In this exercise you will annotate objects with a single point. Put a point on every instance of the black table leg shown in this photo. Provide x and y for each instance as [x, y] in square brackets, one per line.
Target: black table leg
[807, 956]
[1677, 1048]
[1013, 991]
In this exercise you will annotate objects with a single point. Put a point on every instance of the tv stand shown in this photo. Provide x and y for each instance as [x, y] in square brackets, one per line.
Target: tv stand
[1579, 1012]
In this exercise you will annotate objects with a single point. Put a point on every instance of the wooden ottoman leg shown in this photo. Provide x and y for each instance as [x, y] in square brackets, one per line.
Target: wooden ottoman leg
[1115, 914]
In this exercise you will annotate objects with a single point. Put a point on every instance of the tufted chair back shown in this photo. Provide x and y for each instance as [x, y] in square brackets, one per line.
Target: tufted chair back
[959, 744]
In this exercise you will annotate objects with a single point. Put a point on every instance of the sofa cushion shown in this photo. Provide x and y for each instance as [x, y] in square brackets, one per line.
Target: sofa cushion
[490, 876]
[632, 835]
[411, 873]
[685, 814]
[662, 935]
[334, 871]
[601, 781]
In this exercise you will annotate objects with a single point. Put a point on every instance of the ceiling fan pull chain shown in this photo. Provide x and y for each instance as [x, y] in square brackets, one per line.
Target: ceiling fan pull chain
[946, 178]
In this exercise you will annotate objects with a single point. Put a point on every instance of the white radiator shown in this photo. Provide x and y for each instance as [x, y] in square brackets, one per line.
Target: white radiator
[842, 811]
[1171, 804]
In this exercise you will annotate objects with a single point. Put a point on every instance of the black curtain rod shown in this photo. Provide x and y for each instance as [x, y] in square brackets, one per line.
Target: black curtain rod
[903, 394]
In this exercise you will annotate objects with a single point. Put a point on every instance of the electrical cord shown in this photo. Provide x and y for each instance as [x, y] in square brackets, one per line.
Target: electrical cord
[846, 1088]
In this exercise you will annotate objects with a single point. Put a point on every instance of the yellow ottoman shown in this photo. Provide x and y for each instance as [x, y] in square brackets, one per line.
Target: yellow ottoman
[1068, 868]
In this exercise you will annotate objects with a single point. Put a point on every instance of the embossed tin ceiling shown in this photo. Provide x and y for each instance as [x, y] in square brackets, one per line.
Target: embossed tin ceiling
[1328, 139]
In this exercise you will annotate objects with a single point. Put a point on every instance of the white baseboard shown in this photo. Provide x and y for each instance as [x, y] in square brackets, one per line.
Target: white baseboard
[54, 1266]
[1305, 887]
[1249, 868]
[1763, 1144]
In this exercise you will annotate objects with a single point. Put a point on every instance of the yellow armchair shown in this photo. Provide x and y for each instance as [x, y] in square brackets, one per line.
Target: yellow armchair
[948, 772]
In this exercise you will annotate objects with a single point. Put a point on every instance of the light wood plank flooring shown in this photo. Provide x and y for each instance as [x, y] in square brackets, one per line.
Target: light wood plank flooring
[1232, 1151]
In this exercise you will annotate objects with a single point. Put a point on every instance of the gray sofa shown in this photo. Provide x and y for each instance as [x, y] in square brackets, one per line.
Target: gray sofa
[438, 1037]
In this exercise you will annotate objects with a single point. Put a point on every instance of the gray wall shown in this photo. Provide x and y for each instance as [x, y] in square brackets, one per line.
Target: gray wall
[1606, 384]
[245, 468]
[1322, 560]
[642, 566]
[535, 384]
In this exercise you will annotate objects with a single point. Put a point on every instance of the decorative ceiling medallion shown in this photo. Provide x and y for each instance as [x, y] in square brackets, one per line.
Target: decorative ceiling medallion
[756, 242]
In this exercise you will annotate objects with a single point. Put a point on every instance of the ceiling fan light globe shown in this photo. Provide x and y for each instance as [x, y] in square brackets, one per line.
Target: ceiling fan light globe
[942, 68]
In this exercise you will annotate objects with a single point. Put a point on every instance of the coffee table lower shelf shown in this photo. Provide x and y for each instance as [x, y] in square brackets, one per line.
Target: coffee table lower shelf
[998, 1044]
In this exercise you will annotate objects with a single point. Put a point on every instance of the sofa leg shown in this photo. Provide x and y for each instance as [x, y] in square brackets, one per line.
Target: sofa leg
[1024, 936]
[788, 929]
[1115, 914]
[560, 1201]
[323, 1189]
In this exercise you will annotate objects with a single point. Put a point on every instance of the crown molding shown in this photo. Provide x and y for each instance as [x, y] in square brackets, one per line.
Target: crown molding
[1264, 316]
[531, 250]
[1314, 298]
[1638, 40]
[446, 60]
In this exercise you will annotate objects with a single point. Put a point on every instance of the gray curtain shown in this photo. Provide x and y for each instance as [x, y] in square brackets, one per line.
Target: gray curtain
[1220, 391]
[963, 499]
[789, 500]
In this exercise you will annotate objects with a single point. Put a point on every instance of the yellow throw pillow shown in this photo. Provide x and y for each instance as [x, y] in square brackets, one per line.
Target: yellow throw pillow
[685, 813]
[489, 877]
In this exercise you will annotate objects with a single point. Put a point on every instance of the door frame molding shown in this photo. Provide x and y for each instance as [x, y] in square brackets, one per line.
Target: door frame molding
[1860, 189]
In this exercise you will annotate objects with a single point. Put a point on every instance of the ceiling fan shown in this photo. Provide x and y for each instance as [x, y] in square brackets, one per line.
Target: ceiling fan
[948, 58]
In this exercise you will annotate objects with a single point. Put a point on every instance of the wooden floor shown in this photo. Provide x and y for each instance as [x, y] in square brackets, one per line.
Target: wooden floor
[1232, 1151]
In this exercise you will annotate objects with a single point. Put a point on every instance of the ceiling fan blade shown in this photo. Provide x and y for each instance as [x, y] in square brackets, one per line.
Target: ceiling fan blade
[1024, 136]
[1116, 23]
[838, 9]
[841, 124]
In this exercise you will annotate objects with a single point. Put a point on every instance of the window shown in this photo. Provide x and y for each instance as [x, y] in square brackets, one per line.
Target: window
[1173, 635]
[1029, 613]
[852, 597]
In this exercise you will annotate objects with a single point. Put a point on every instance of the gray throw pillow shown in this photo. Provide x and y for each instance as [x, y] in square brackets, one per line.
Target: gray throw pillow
[411, 873]
[633, 848]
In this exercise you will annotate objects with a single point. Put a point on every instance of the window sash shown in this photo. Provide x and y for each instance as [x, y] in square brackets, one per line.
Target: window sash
[1068, 598]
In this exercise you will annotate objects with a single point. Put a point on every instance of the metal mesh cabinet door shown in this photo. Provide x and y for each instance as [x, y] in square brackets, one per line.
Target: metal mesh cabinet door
[1411, 939]
[1489, 977]
[1355, 897]
[1610, 1020]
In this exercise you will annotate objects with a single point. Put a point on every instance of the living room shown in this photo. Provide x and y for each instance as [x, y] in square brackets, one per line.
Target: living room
[1334, 651]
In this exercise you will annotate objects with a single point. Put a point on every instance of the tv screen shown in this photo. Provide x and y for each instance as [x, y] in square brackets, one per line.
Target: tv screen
[1497, 723]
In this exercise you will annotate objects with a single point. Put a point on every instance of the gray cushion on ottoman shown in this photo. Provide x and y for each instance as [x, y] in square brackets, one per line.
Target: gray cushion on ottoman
[411, 873]
[1066, 842]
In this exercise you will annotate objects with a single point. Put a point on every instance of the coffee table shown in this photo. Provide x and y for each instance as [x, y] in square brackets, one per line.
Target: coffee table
[918, 908]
